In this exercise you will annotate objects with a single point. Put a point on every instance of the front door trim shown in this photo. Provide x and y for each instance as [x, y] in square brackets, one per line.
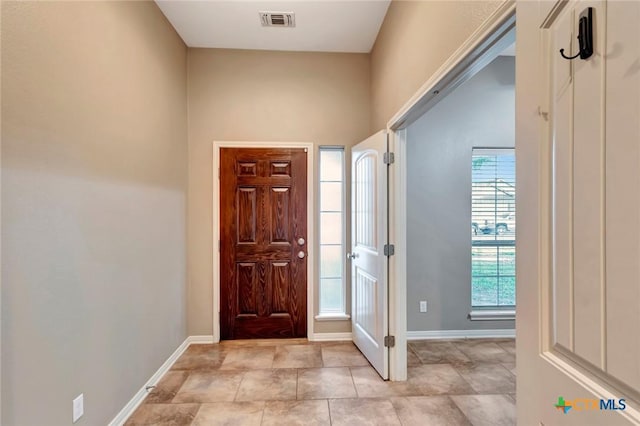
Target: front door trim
[311, 208]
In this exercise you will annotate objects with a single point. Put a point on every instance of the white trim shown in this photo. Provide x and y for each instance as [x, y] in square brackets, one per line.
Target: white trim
[398, 262]
[311, 208]
[461, 334]
[332, 317]
[331, 337]
[137, 399]
[139, 396]
[492, 315]
[200, 340]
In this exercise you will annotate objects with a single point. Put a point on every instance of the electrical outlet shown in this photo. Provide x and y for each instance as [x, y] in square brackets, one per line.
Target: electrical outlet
[423, 306]
[78, 407]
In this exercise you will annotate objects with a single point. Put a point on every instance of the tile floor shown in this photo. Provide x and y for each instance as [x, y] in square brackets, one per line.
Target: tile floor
[295, 382]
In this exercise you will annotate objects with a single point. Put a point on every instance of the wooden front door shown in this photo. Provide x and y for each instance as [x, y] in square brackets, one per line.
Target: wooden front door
[263, 247]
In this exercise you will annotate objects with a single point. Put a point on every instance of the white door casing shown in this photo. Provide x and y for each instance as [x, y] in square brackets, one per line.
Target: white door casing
[578, 243]
[369, 265]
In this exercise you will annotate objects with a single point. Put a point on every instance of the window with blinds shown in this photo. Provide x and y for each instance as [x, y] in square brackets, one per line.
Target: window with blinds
[493, 228]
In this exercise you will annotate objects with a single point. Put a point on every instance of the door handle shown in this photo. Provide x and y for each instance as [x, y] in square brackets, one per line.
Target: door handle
[352, 256]
[301, 241]
[301, 254]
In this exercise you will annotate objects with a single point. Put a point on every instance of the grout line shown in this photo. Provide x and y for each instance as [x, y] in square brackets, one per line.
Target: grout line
[508, 371]
[181, 386]
[235, 396]
[329, 408]
[395, 411]
[455, 404]
[197, 411]
[353, 382]
[410, 348]
[463, 379]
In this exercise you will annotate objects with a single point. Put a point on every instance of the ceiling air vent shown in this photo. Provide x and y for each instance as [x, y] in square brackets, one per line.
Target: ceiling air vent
[278, 19]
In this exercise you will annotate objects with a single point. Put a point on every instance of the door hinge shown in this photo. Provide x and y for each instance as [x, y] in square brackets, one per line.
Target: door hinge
[389, 250]
[389, 341]
[218, 245]
[388, 158]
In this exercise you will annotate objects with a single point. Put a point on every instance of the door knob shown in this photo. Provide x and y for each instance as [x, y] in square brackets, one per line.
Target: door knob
[301, 254]
[352, 256]
[301, 241]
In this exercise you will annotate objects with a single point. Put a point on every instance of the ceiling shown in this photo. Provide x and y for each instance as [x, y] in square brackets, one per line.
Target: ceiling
[321, 26]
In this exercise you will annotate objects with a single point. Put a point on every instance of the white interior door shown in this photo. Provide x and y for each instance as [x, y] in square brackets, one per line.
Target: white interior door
[369, 264]
[578, 270]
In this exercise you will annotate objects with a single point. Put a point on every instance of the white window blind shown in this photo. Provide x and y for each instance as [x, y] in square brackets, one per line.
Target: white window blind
[332, 231]
[493, 228]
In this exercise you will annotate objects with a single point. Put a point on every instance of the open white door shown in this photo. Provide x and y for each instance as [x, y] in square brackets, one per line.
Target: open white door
[369, 264]
[578, 167]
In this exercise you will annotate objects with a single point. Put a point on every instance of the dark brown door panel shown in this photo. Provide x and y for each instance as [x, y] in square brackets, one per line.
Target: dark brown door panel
[263, 214]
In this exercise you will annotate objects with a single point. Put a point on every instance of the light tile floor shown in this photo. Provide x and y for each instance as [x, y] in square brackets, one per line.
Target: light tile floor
[296, 382]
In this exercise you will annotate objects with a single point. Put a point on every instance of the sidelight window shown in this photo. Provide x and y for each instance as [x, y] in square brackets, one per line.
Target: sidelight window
[332, 289]
[493, 228]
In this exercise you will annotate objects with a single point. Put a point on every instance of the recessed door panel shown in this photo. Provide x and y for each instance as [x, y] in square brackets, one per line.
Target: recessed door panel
[246, 215]
[280, 168]
[247, 168]
[280, 282]
[366, 294]
[578, 193]
[365, 195]
[588, 197]
[563, 185]
[246, 276]
[280, 221]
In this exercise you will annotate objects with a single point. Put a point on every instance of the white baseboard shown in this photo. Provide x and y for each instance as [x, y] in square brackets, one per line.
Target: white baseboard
[200, 340]
[329, 337]
[461, 334]
[137, 399]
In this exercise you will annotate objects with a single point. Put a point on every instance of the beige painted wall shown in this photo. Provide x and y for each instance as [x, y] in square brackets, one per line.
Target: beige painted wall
[415, 39]
[241, 95]
[94, 173]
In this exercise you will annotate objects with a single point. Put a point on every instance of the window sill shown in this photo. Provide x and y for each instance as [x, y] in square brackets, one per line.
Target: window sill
[332, 317]
[492, 315]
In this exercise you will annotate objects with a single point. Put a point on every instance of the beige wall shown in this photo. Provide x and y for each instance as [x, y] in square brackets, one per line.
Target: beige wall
[415, 39]
[240, 95]
[94, 172]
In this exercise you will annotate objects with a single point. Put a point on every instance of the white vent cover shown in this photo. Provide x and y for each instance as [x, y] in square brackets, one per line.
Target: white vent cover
[278, 19]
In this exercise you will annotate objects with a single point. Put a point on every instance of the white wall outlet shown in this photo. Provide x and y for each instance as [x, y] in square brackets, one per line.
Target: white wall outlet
[78, 407]
[423, 306]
